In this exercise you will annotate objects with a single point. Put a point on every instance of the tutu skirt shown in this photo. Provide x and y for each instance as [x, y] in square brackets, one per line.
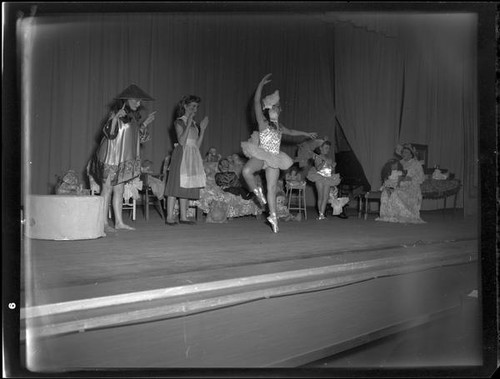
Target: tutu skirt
[251, 149]
[314, 177]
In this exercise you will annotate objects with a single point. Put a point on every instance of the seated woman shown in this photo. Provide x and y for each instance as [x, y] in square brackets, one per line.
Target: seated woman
[401, 197]
[229, 180]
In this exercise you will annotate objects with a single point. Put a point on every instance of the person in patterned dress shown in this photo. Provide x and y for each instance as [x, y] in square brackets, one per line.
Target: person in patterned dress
[263, 149]
[117, 160]
[401, 203]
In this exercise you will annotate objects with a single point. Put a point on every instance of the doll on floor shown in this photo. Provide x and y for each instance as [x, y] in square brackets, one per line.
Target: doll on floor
[337, 203]
[282, 211]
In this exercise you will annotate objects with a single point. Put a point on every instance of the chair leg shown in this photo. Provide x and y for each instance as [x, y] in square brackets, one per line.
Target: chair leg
[134, 203]
[366, 208]
[305, 205]
[160, 209]
[146, 204]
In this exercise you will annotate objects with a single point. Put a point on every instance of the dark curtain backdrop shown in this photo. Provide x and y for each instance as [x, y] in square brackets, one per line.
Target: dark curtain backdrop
[386, 79]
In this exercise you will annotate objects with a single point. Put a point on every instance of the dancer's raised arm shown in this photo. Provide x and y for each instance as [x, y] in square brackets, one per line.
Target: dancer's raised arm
[257, 105]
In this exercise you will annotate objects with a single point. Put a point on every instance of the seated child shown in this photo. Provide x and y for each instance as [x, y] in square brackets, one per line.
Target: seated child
[281, 208]
[293, 177]
[212, 155]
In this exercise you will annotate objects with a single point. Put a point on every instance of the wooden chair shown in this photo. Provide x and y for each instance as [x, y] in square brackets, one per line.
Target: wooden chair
[130, 205]
[364, 203]
[148, 196]
[422, 155]
[296, 195]
[95, 189]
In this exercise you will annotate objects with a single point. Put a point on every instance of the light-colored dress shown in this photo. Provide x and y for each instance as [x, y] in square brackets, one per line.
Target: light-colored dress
[402, 203]
[118, 156]
[265, 145]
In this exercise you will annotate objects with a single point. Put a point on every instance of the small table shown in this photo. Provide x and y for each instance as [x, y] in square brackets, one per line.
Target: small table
[441, 189]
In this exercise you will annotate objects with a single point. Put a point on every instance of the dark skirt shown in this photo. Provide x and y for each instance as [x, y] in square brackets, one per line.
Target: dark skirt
[173, 186]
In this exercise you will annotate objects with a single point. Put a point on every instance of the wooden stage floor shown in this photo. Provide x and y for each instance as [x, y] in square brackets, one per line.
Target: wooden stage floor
[159, 256]
[138, 286]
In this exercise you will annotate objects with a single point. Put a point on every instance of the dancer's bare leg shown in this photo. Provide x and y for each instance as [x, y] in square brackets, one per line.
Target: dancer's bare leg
[248, 172]
[118, 207]
[324, 198]
[272, 175]
[106, 191]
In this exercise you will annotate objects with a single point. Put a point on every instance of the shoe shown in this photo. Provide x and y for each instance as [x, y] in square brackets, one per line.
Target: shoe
[321, 216]
[342, 215]
[260, 195]
[171, 223]
[274, 223]
[187, 222]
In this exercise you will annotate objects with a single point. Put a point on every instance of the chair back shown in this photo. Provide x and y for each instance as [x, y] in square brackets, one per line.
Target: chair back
[296, 185]
[422, 154]
[164, 169]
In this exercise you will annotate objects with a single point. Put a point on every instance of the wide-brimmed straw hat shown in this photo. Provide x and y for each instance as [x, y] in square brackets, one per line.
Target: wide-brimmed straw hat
[134, 92]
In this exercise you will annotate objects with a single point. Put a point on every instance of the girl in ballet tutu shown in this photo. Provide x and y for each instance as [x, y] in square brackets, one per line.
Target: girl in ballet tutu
[323, 175]
[263, 149]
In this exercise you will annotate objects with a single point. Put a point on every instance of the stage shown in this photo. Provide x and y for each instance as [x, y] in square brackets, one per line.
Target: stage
[238, 295]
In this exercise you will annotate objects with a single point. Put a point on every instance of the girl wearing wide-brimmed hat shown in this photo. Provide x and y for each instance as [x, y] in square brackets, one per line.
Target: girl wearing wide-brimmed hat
[117, 160]
[263, 149]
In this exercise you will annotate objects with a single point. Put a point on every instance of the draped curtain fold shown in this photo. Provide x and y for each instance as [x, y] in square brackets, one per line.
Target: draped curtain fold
[386, 79]
[440, 98]
[410, 78]
[368, 94]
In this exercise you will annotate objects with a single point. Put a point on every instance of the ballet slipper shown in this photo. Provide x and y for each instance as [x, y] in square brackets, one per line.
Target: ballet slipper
[274, 223]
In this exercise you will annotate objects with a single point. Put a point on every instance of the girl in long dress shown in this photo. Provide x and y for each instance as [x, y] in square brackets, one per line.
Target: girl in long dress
[401, 197]
[263, 149]
[117, 160]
